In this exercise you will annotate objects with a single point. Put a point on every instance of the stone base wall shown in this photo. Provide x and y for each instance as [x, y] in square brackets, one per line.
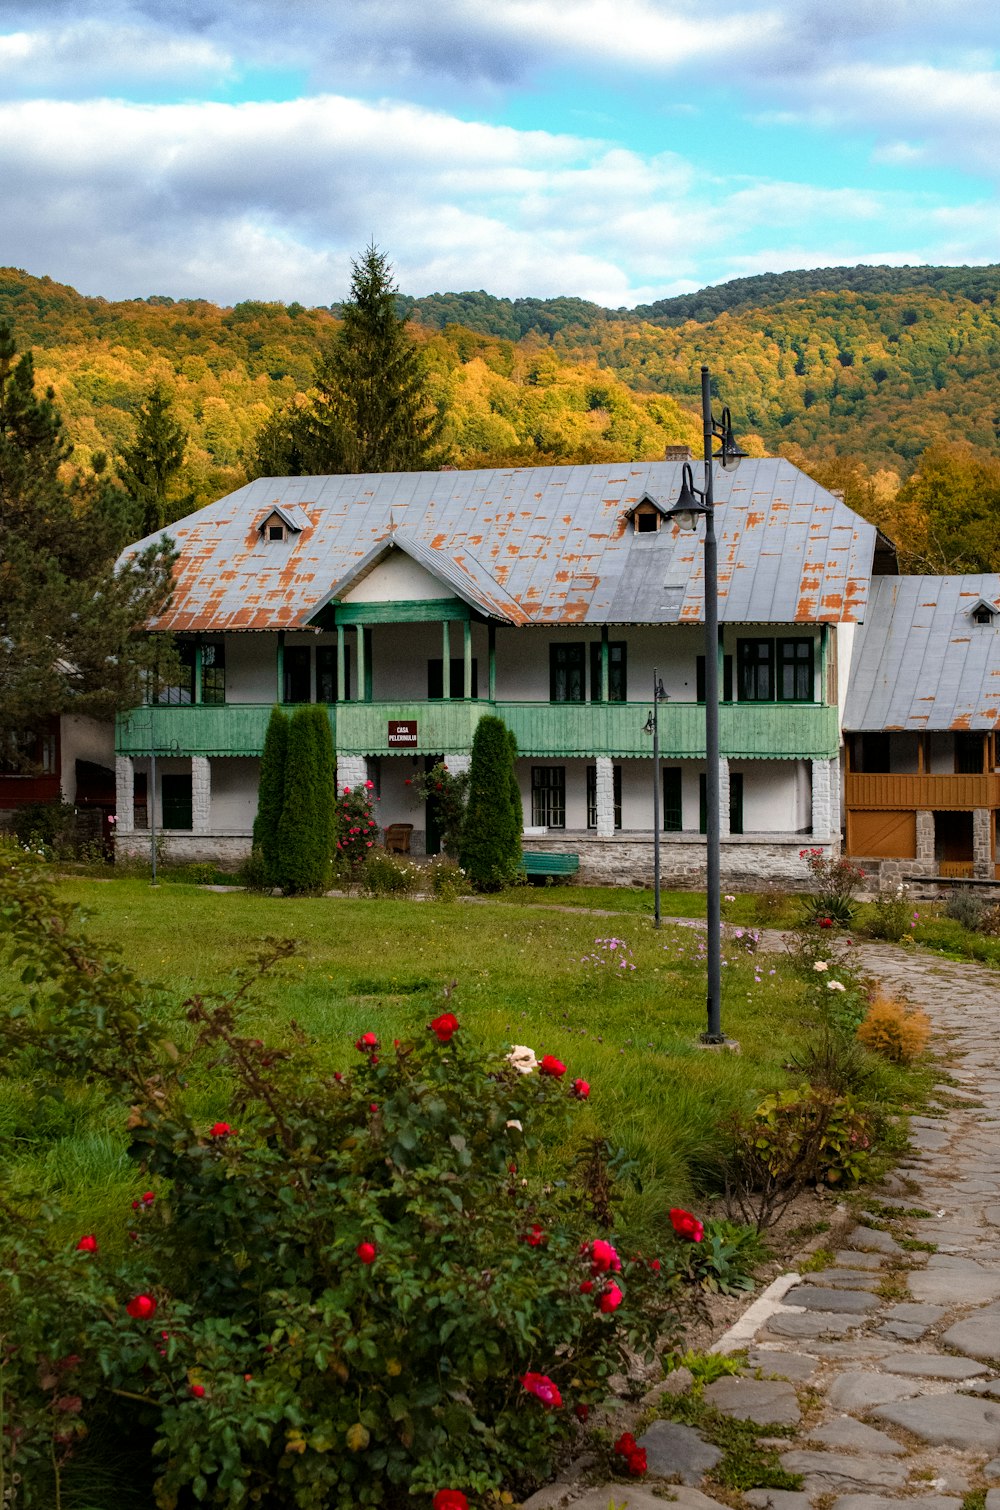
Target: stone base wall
[225, 850]
[627, 860]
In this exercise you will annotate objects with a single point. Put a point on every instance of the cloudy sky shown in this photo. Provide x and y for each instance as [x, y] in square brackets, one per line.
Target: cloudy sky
[620, 150]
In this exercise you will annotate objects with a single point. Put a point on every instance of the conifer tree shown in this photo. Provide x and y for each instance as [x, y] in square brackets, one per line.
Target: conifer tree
[305, 828]
[148, 466]
[271, 792]
[372, 410]
[68, 617]
[490, 853]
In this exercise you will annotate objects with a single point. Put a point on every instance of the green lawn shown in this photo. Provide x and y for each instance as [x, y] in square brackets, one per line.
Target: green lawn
[383, 964]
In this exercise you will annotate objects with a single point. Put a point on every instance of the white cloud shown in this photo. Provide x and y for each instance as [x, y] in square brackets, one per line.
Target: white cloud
[95, 55]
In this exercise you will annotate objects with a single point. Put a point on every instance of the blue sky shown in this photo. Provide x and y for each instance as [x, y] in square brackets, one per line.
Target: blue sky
[622, 152]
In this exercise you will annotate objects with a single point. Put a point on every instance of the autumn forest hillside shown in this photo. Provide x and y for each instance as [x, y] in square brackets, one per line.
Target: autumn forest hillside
[883, 382]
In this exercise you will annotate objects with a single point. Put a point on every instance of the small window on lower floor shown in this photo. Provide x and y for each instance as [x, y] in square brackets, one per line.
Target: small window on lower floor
[548, 796]
[177, 801]
[672, 806]
[592, 796]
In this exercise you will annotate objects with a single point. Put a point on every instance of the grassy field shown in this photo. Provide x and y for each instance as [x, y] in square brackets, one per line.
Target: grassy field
[522, 975]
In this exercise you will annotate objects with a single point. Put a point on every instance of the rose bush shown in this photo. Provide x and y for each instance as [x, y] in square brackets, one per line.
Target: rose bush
[332, 1307]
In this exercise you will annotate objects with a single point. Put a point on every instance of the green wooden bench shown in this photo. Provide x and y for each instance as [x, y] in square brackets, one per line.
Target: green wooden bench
[539, 867]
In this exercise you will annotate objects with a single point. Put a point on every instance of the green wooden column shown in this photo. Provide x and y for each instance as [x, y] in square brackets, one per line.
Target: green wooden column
[197, 671]
[362, 694]
[445, 658]
[341, 665]
[491, 632]
[369, 664]
[824, 651]
[467, 646]
[605, 666]
[281, 666]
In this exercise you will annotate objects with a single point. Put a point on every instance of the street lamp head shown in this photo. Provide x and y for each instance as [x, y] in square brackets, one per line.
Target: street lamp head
[650, 724]
[690, 505]
[730, 450]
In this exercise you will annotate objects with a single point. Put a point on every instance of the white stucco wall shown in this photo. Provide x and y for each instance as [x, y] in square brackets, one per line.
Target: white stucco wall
[234, 794]
[251, 668]
[398, 579]
[83, 739]
[845, 637]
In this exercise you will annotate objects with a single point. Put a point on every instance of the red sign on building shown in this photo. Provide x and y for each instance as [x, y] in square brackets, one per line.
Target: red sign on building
[403, 733]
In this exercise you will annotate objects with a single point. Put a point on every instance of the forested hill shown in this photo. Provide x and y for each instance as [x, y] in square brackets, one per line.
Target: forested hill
[864, 376]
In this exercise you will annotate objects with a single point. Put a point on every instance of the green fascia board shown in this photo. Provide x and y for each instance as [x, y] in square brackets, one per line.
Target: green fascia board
[414, 611]
[748, 731]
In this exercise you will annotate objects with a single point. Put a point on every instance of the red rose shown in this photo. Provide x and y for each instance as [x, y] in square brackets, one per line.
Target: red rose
[148, 1198]
[141, 1307]
[586, 1287]
[625, 1444]
[610, 1300]
[450, 1499]
[541, 1386]
[87, 1244]
[550, 1065]
[686, 1225]
[366, 1252]
[603, 1257]
[220, 1130]
[581, 1412]
[197, 1390]
[444, 1026]
[636, 1462]
[655, 1265]
[826, 922]
[581, 1089]
[535, 1238]
[366, 1043]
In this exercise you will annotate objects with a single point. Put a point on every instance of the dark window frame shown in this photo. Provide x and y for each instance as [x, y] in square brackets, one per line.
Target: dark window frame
[296, 662]
[548, 796]
[672, 780]
[568, 671]
[617, 671]
[435, 678]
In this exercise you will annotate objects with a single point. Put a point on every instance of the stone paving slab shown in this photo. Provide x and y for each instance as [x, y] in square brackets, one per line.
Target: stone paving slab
[854, 1436]
[765, 1401]
[874, 1240]
[844, 1302]
[850, 1258]
[954, 1287]
[798, 1367]
[777, 1499]
[845, 1279]
[675, 1451]
[811, 1324]
[934, 1366]
[841, 1470]
[978, 1335]
[879, 1502]
[947, 1421]
[860, 1390]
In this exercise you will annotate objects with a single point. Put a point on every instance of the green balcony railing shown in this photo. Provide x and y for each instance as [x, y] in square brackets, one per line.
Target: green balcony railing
[748, 731]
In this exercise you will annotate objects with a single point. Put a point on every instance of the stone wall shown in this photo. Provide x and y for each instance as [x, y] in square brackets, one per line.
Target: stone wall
[747, 859]
[225, 850]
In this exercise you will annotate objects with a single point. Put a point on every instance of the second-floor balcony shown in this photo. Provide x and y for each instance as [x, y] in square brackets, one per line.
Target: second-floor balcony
[753, 731]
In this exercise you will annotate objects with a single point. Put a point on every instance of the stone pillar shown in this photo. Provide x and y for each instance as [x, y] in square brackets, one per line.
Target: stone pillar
[352, 771]
[201, 794]
[723, 797]
[124, 794]
[982, 844]
[458, 765]
[836, 805]
[605, 784]
[925, 836]
[823, 827]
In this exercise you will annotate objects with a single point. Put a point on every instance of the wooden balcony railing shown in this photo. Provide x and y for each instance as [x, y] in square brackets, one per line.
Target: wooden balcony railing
[932, 793]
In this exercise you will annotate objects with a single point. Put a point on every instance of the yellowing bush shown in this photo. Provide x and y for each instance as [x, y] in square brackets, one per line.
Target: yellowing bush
[893, 1029]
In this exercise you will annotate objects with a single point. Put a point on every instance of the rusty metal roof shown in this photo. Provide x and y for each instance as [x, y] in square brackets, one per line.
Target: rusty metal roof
[921, 661]
[545, 545]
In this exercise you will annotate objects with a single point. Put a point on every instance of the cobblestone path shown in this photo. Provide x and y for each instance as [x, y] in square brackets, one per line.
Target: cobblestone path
[886, 1364]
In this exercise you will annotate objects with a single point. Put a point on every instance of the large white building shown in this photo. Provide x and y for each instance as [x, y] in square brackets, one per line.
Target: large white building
[411, 603]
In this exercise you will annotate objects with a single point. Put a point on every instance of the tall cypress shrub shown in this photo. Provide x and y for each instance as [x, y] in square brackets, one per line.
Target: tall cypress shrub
[305, 828]
[271, 792]
[490, 853]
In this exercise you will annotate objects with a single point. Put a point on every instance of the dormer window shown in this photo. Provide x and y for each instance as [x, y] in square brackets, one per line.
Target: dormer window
[983, 612]
[277, 525]
[646, 516]
[276, 532]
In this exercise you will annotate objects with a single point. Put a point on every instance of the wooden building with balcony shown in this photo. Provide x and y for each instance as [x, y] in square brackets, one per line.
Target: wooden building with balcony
[410, 604]
[922, 757]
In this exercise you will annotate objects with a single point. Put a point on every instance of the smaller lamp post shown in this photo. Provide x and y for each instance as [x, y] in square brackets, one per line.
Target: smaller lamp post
[694, 503]
[652, 726]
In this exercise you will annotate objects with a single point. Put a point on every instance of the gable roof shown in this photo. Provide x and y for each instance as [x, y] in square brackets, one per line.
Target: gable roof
[467, 579]
[539, 545]
[920, 662]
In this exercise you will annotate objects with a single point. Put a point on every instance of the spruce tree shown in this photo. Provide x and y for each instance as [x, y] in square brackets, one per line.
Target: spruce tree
[271, 792]
[305, 828]
[148, 466]
[491, 835]
[372, 410]
[68, 617]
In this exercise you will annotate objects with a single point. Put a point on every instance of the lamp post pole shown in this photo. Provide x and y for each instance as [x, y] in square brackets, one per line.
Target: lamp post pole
[713, 825]
[656, 802]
